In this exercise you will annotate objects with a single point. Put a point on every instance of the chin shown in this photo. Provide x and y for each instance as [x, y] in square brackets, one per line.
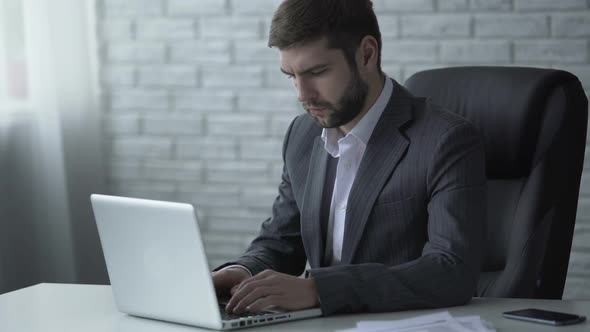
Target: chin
[322, 122]
[328, 125]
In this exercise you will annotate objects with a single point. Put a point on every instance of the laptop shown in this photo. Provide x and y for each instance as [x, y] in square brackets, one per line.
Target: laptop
[158, 268]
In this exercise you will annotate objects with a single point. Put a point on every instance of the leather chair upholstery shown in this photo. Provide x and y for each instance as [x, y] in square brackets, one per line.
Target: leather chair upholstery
[534, 125]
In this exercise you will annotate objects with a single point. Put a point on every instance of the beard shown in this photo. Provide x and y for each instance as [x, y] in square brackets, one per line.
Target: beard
[348, 107]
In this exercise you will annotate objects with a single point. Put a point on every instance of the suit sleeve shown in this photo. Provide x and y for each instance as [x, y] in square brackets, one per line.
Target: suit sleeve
[446, 272]
[279, 245]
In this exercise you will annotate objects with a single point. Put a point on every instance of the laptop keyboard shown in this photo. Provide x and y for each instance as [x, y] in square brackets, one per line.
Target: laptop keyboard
[228, 316]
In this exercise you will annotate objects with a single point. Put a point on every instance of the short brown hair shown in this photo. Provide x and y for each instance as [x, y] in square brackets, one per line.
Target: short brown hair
[344, 22]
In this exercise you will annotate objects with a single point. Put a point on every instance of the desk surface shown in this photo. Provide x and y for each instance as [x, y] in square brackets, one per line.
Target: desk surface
[89, 308]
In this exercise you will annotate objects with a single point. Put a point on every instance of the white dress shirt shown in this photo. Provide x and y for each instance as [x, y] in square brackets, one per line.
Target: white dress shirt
[349, 150]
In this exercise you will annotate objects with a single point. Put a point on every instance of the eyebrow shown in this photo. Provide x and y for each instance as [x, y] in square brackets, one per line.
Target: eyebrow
[307, 71]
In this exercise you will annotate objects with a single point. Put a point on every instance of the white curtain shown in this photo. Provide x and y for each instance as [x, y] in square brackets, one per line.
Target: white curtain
[50, 151]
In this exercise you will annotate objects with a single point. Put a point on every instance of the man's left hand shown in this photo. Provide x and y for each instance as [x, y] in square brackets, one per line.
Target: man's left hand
[270, 288]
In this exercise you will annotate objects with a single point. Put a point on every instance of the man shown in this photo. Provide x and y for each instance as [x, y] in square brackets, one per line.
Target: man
[382, 193]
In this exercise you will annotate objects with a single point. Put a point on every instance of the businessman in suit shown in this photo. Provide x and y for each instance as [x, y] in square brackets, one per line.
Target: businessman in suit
[382, 193]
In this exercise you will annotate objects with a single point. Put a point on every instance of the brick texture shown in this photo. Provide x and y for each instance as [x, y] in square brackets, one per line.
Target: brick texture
[196, 108]
[502, 25]
[435, 25]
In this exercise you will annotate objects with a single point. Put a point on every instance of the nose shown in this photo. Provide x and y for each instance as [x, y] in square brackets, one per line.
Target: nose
[305, 90]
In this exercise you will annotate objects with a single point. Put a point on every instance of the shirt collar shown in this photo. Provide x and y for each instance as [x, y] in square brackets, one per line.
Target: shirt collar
[364, 128]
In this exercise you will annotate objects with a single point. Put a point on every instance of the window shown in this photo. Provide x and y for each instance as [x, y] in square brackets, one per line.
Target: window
[14, 87]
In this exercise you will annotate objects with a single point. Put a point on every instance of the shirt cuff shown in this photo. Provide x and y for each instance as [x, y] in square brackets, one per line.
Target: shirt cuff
[238, 266]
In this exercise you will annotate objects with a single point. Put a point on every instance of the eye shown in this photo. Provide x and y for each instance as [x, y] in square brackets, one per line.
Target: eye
[318, 72]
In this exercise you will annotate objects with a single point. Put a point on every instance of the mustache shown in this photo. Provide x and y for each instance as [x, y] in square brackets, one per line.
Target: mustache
[317, 104]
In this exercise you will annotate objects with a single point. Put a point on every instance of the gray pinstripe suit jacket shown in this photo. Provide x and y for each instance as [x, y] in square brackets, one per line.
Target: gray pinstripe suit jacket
[415, 224]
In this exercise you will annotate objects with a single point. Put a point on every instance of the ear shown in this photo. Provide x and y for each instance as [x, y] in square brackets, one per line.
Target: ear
[369, 51]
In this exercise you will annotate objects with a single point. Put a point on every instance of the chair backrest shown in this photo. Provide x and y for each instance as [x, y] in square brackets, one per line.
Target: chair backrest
[534, 125]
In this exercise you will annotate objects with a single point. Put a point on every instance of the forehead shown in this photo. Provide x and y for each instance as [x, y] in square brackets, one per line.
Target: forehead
[309, 54]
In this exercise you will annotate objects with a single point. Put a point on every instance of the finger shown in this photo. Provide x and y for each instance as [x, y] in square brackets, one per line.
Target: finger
[244, 289]
[264, 278]
[249, 284]
[262, 304]
[260, 292]
[267, 277]
[260, 276]
[266, 273]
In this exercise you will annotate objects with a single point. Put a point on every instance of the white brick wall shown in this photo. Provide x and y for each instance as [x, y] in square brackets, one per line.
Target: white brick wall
[405, 5]
[191, 9]
[132, 8]
[475, 52]
[139, 99]
[551, 51]
[122, 123]
[135, 52]
[118, 75]
[571, 25]
[231, 27]
[207, 148]
[237, 125]
[141, 147]
[233, 77]
[117, 29]
[204, 100]
[268, 100]
[435, 26]
[491, 5]
[255, 52]
[168, 75]
[196, 108]
[202, 52]
[502, 25]
[172, 124]
[546, 5]
[165, 29]
[410, 51]
[261, 149]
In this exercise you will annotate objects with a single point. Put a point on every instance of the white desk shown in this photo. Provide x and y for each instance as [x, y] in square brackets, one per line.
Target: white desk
[90, 308]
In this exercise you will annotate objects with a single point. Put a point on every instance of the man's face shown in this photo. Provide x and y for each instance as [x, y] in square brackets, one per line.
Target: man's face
[328, 89]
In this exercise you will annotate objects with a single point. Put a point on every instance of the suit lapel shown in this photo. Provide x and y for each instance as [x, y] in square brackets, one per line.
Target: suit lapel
[312, 203]
[385, 149]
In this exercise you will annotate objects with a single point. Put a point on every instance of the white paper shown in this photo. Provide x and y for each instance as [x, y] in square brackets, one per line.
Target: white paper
[437, 322]
[476, 324]
[402, 323]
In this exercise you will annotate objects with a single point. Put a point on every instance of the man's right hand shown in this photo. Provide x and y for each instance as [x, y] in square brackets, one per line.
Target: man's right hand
[227, 280]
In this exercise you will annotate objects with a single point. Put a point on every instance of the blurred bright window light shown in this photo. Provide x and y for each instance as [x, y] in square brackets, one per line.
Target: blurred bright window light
[13, 61]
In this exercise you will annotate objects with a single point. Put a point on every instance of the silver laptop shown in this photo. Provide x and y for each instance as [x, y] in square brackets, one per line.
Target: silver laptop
[158, 268]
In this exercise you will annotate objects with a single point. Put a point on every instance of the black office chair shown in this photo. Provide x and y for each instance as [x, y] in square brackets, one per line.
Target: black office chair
[534, 126]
